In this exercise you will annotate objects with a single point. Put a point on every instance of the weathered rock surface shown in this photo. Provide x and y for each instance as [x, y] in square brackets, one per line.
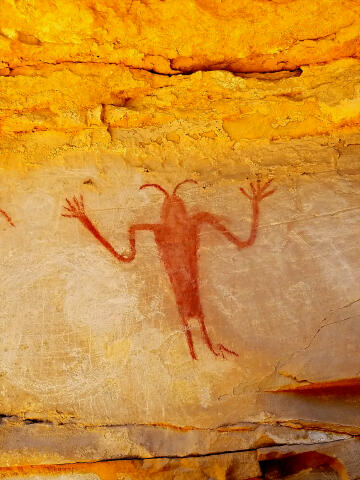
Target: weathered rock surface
[224, 327]
[241, 465]
[181, 36]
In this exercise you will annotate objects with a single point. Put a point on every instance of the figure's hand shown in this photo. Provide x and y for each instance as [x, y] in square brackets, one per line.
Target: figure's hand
[75, 208]
[258, 191]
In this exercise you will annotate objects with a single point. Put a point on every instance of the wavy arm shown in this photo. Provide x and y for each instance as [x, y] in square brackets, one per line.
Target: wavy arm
[209, 218]
[132, 230]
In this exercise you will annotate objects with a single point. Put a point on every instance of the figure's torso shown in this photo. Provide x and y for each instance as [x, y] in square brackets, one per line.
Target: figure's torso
[177, 242]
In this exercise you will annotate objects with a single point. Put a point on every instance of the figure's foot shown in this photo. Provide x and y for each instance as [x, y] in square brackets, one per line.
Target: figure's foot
[222, 351]
[219, 350]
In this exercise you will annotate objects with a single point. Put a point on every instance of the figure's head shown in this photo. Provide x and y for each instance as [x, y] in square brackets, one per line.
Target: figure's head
[173, 205]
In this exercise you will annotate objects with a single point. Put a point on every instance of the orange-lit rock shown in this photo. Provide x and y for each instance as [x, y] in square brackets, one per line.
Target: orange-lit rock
[180, 36]
[240, 465]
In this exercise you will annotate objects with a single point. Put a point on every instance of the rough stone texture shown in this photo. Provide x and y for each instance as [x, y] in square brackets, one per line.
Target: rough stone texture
[342, 457]
[240, 466]
[100, 97]
[178, 35]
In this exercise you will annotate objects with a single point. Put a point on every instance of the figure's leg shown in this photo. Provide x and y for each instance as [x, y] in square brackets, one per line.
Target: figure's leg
[220, 348]
[205, 334]
[189, 338]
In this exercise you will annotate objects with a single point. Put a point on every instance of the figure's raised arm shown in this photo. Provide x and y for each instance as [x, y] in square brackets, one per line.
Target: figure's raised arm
[76, 209]
[258, 193]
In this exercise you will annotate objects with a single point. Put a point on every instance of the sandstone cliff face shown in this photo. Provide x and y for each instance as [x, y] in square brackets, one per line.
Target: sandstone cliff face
[208, 330]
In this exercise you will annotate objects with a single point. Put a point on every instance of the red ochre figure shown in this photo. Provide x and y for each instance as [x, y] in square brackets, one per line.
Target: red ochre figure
[177, 239]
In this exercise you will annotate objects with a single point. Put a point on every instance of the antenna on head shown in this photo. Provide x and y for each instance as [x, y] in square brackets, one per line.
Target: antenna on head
[155, 185]
[181, 183]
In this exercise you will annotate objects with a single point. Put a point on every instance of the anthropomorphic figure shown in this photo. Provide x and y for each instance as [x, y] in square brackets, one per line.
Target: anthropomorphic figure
[177, 239]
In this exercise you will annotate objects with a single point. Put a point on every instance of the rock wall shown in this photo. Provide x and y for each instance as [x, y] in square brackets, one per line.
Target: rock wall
[179, 218]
